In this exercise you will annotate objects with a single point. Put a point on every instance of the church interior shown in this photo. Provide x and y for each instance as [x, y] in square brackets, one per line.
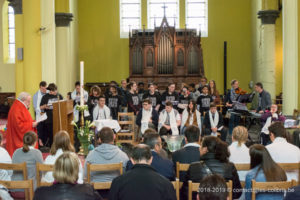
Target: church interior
[164, 42]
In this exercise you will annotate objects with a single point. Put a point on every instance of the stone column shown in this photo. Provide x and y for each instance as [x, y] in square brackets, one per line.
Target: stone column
[63, 52]
[290, 56]
[267, 66]
[48, 41]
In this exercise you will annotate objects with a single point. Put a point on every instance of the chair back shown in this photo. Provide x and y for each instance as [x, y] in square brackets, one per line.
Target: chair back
[181, 167]
[40, 168]
[102, 168]
[271, 186]
[126, 120]
[26, 184]
[176, 186]
[193, 187]
[291, 167]
[242, 167]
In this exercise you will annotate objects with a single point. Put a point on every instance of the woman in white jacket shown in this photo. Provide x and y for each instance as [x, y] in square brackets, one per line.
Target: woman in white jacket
[191, 116]
[60, 145]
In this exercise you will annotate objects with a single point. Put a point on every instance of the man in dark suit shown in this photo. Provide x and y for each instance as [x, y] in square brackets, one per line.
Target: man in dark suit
[161, 165]
[213, 123]
[190, 152]
[264, 98]
[142, 182]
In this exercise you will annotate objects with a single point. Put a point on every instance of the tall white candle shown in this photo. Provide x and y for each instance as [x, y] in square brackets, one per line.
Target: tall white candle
[81, 82]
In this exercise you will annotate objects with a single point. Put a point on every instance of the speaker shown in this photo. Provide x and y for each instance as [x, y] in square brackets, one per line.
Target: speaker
[20, 53]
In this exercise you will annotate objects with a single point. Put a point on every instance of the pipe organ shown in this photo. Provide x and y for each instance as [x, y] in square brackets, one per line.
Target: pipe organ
[165, 55]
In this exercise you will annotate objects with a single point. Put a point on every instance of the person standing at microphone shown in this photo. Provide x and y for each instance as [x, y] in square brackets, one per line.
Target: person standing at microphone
[46, 106]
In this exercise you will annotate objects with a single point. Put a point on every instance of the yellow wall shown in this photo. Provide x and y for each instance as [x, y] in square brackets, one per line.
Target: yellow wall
[298, 55]
[106, 56]
[7, 70]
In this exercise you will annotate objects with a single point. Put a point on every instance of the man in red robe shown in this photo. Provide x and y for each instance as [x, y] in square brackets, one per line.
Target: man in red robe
[19, 122]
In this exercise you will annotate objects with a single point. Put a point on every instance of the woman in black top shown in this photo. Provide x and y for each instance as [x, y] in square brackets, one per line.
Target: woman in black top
[214, 156]
[184, 99]
[114, 102]
[153, 96]
[133, 100]
[204, 100]
[95, 93]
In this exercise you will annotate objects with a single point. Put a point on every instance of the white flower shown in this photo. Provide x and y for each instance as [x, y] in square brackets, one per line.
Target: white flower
[92, 124]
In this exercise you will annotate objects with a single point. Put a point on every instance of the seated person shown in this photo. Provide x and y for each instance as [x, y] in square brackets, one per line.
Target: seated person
[190, 152]
[191, 116]
[214, 156]
[208, 185]
[105, 153]
[264, 98]
[65, 173]
[147, 117]
[169, 120]
[263, 169]
[142, 181]
[204, 100]
[5, 175]
[60, 145]
[282, 151]
[27, 154]
[161, 165]
[213, 123]
[101, 111]
[239, 152]
[267, 119]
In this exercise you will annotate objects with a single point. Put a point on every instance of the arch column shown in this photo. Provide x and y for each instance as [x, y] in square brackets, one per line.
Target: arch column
[268, 60]
[290, 56]
[63, 52]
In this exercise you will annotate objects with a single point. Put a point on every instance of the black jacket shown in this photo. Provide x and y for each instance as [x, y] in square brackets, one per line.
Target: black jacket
[206, 121]
[197, 172]
[188, 155]
[66, 192]
[142, 182]
[154, 118]
[265, 101]
[161, 165]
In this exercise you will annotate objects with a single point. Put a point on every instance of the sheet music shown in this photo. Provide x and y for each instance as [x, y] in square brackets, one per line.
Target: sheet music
[41, 117]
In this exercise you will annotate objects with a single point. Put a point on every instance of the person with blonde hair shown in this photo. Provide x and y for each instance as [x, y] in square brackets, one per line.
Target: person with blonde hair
[65, 173]
[27, 154]
[60, 145]
[239, 152]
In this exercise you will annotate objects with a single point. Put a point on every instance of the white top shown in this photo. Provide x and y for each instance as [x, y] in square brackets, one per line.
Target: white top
[283, 152]
[50, 160]
[239, 155]
[5, 175]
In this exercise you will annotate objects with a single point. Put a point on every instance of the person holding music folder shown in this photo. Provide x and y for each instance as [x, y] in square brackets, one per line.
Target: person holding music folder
[46, 106]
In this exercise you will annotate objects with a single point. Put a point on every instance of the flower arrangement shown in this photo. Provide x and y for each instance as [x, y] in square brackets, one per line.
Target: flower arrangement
[85, 134]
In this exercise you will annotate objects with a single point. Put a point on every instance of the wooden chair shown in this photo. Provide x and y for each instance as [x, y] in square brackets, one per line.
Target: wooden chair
[242, 167]
[40, 168]
[129, 121]
[176, 185]
[181, 167]
[291, 167]
[102, 168]
[27, 185]
[265, 186]
[17, 167]
[193, 187]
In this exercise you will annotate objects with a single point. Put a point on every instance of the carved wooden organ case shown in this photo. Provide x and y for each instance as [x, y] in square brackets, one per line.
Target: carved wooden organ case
[165, 55]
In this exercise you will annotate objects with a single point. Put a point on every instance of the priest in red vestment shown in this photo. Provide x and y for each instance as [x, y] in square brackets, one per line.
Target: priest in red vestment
[19, 122]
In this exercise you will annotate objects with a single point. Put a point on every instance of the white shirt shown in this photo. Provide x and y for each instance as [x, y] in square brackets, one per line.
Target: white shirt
[50, 160]
[5, 175]
[283, 152]
[239, 155]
